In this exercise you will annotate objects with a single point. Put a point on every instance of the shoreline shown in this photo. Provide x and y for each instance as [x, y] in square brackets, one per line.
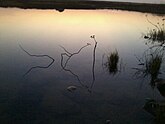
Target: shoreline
[87, 5]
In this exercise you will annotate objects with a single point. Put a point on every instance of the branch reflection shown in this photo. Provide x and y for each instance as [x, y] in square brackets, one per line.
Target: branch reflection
[34, 55]
[64, 64]
[69, 55]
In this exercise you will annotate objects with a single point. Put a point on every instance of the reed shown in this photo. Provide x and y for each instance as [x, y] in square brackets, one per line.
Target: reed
[112, 62]
[150, 65]
[156, 34]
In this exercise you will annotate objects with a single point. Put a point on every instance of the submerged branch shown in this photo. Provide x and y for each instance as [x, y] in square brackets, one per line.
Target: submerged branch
[94, 59]
[70, 55]
[33, 55]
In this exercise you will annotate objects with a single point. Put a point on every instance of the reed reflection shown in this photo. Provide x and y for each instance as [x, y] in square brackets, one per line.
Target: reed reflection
[152, 59]
[151, 64]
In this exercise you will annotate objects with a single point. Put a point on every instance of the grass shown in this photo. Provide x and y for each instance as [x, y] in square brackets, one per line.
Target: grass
[151, 64]
[112, 62]
[153, 57]
[157, 34]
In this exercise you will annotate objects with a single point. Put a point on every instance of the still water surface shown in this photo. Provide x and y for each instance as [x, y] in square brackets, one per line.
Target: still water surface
[41, 96]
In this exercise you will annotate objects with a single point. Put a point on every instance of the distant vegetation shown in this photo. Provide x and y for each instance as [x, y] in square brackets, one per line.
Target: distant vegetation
[83, 4]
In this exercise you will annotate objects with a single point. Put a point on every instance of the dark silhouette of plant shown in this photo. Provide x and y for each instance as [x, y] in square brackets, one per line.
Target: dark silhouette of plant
[157, 34]
[150, 65]
[112, 62]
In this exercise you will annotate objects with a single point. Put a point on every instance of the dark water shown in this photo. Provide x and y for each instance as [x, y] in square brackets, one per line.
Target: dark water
[41, 96]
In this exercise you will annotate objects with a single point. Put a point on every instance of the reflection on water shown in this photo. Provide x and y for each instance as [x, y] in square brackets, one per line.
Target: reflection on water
[152, 63]
[157, 34]
[65, 64]
[160, 85]
[42, 96]
[69, 56]
[35, 67]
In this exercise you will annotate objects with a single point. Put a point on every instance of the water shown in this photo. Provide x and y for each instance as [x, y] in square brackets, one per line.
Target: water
[41, 96]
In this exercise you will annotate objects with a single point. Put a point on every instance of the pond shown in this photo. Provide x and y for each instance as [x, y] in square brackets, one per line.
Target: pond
[74, 82]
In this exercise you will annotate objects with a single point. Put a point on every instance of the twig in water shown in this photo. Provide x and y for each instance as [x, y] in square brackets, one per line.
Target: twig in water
[94, 59]
[70, 55]
[35, 67]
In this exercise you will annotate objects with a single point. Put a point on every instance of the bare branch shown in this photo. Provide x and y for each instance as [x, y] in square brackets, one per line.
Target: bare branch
[33, 55]
[93, 65]
[70, 55]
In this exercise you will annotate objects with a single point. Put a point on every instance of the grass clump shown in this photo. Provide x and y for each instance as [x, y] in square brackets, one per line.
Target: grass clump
[112, 62]
[157, 34]
[151, 64]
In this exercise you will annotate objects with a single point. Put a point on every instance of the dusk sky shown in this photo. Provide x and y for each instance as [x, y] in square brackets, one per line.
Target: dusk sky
[142, 1]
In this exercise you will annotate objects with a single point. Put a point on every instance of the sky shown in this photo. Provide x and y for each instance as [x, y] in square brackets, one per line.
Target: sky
[141, 1]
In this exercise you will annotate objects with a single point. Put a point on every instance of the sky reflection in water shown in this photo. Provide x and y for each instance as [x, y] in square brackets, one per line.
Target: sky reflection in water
[41, 96]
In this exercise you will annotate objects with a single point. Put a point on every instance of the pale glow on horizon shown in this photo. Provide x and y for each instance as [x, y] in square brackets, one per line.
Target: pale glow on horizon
[71, 25]
[81, 18]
